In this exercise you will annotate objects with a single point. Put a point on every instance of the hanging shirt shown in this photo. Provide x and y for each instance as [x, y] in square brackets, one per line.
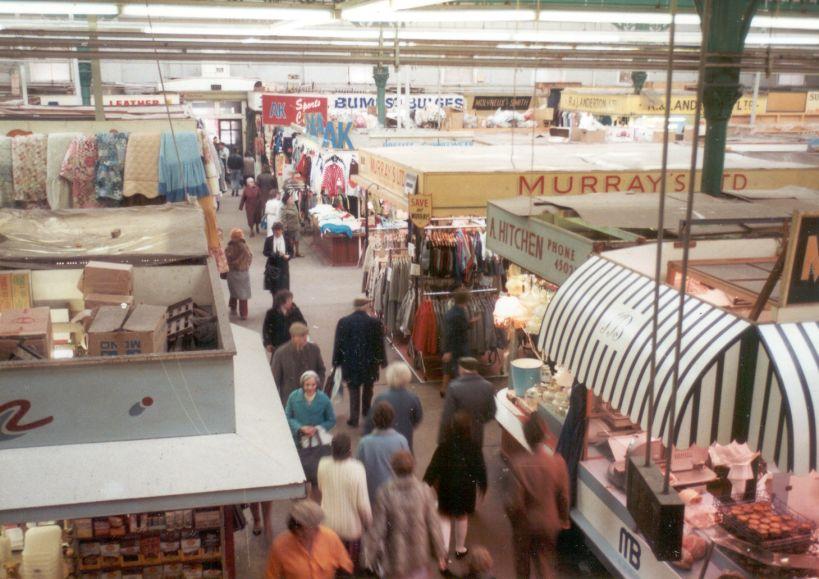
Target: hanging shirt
[110, 165]
[80, 168]
[333, 179]
[28, 157]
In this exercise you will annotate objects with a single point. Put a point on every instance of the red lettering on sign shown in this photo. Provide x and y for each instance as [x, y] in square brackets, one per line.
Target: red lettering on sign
[740, 182]
[525, 188]
[568, 188]
[679, 183]
[588, 183]
[655, 184]
[13, 423]
[612, 183]
[636, 185]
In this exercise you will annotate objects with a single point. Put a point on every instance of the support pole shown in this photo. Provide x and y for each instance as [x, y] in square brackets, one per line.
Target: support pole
[24, 82]
[730, 21]
[380, 75]
[96, 76]
[757, 76]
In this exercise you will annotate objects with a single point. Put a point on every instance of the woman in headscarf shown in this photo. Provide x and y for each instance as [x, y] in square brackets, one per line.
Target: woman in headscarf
[238, 257]
[278, 253]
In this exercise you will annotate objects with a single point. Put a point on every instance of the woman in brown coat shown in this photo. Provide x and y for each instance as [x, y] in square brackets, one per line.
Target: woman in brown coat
[238, 257]
[251, 200]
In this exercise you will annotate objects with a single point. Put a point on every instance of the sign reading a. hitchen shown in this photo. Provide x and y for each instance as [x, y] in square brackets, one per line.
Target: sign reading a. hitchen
[801, 279]
[535, 245]
[420, 209]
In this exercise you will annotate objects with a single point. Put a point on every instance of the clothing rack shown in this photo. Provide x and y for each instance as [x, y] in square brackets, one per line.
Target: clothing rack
[474, 226]
[475, 291]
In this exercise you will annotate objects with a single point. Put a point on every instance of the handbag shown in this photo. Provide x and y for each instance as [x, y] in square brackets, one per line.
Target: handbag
[263, 224]
[332, 385]
[310, 456]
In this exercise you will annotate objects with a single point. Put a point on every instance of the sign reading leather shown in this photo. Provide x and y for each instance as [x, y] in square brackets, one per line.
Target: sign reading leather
[420, 209]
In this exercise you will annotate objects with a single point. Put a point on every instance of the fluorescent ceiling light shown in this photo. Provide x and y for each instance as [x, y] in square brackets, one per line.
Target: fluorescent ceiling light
[371, 13]
[208, 30]
[410, 4]
[589, 16]
[785, 22]
[761, 39]
[223, 12]
[48, 8]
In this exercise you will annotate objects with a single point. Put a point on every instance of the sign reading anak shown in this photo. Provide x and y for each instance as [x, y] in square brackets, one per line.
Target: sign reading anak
[535, 245]
[291, 109]
[333, 134]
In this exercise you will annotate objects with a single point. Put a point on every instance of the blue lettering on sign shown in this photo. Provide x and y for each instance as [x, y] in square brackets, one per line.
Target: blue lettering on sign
[335, 134]
[276, 110]
[629, 548]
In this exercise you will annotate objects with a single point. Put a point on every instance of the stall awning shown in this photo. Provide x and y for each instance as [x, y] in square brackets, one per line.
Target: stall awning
[784, 423]
[599, 324]
[258, 462]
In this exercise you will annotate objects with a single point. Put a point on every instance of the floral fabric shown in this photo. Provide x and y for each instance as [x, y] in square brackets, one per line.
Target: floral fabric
[6, 175]
[58, 189]
[110, 165]
[28, 157]
[80, 168]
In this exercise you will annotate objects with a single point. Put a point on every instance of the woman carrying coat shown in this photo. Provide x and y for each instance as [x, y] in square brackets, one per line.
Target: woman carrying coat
[239, 258]
[251, 198]
[405, 533]
[278, 253]
[457, 471]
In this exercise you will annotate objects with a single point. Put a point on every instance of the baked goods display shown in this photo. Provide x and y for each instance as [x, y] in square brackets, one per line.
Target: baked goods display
[768, 525]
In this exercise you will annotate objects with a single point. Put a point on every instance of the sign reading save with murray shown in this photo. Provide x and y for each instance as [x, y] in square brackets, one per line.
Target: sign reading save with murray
[420, 209]
[533, 244]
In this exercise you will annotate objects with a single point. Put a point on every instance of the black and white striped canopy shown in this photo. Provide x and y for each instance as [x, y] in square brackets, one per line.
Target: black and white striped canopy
[784, 423]
[599, 324]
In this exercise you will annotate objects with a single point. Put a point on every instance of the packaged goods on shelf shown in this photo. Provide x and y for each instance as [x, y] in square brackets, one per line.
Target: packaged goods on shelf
[15, 290]
[118, 331]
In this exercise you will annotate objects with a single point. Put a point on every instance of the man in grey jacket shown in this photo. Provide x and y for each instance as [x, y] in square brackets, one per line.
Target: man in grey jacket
[293, 359]
[472, 393]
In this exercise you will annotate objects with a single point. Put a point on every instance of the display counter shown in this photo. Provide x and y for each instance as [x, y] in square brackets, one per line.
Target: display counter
[337, 249]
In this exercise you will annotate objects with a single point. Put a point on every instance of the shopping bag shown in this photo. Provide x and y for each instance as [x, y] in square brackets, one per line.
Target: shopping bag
[263, 224]
[311, 451]
[337, 392]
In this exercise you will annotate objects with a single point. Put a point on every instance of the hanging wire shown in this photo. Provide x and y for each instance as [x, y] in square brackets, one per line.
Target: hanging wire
[658, 263]
[685, 236]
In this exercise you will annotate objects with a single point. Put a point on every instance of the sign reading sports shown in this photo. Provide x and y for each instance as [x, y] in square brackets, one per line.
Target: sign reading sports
[286, 109]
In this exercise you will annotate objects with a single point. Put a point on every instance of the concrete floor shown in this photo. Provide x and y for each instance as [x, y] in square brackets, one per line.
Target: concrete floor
[325, 294]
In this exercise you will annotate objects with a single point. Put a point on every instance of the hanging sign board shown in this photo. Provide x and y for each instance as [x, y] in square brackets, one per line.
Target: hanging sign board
[506, 103]
[420, 209]
[410, 183]
[812, 105]
[362, 102]
[535, 245]
[290, 109]
[636, 105]
[800, 281]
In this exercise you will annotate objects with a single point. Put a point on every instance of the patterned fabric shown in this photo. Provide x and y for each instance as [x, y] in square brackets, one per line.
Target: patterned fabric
[6, 176]
[406, 532]
[79, 167]
[28, 157]
[142, 165]
[58, 190]
[181, 172]
[215, 249]
[211, 160]
[110, 164]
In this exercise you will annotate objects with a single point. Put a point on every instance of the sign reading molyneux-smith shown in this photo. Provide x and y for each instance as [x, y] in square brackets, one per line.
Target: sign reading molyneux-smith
[534, 244]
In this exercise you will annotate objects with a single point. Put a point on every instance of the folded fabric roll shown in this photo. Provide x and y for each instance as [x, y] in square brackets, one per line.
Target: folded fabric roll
[110, 165]
[6, 176]
[142, 165]
[58, 190]
[28, 158]
[181, 172]
[336, 228]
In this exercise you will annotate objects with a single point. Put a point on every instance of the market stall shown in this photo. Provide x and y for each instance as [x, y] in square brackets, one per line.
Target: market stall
[598, 329]
[122, 367]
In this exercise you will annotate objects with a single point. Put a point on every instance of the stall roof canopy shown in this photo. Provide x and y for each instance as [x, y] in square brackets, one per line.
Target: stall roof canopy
[257, 463]
[522, 157]
[785, 420]
[176, 230]
[599, 324]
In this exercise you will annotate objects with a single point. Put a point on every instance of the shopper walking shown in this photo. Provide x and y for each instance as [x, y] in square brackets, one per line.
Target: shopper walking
[472, 393]
[248, 166]
[291, 218]
[235, 165]
[457, 472]
[267, 186]
[239, 258]
[344, 499]
[456, 336]
[308, 409]
[294, 358]
[307, 549]
[278, 319]
[250, 202]
[537, 503]
[359, 351]
[278, 254]
[405, 535]
[376, 449]
[407, 405]
[273, 213]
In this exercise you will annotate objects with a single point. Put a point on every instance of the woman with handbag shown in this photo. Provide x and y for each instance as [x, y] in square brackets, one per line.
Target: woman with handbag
[278, 253]
[310, 415]
[238, 257]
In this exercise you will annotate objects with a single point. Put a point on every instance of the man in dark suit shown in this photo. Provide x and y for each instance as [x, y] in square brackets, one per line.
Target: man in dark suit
[456, 336]
[471, 393]
[359, 351]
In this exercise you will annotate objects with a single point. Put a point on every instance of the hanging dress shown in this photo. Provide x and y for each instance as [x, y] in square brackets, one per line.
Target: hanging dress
[58, 190]
[110, 165]
[181, 171]
[79, 167]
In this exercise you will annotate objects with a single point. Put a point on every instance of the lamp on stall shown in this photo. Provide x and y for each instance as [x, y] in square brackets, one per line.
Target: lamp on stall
[509, 312]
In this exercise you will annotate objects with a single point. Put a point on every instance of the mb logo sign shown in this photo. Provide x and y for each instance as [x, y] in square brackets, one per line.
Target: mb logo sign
[629, 548]
[333, 134]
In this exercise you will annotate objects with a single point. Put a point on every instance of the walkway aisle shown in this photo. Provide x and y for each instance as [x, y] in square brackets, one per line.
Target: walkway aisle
[325, 294]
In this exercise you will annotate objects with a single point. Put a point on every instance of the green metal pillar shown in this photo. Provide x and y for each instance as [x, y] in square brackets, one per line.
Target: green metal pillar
[85, 82]
[638, 79]
[727, 29]
[381, 74]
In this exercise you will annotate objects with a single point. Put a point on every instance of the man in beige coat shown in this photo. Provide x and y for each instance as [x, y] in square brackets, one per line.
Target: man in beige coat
[293, 359]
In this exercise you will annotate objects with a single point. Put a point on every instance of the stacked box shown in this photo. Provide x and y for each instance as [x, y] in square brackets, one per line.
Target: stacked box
[105, 283]
[29, 329]
[122, 331]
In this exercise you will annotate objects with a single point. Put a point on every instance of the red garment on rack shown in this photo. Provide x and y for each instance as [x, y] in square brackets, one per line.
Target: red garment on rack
[425, 332]
[333, 179]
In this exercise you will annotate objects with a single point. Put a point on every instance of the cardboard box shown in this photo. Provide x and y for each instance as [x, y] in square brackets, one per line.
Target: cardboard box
[15, 290]
[29, 328]
[93, 301]
[118, 331]
[584, 136]
[454, 119]
[101, 277]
